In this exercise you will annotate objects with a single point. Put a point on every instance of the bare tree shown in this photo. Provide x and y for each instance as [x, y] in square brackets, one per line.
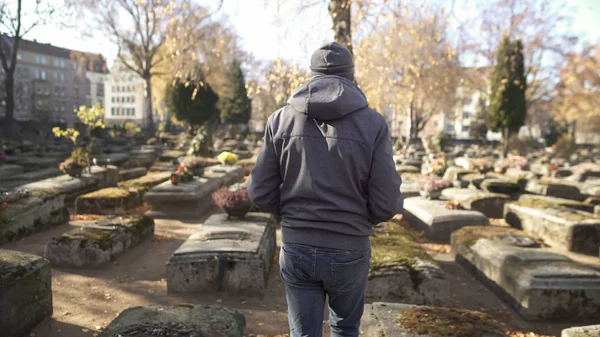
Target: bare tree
[141, 28]
[15, 23]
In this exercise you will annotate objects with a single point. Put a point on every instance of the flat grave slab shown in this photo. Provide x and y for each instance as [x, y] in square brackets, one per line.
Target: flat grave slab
[230, 255]
[31, 176]
[72, 187]
[184, 320]
[437, 221]
[171, 155]
[146, 182]
[540, 284]
[116, 159]
[193, 198]
[582, 331]
[401, 270]
[554, 188]
[38, 210]
[132, 173]
[490, 204]
[402, 320]
[107, 201]
[9, 170]
[25, 292]
[535, 200]
[98, 242]
[455, 173]
[560, 227]
[500, 185]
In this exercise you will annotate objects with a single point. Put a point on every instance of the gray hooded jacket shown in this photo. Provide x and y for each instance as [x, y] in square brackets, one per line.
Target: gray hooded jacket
[326, 167]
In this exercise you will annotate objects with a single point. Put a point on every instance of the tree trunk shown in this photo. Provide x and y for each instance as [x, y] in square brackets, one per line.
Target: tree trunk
[149, 115]
[9, 82]
[506, 135]
[340, 12]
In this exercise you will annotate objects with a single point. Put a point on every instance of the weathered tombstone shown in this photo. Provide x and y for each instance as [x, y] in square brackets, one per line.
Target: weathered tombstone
[231, 255]
[490, 204]
[98, 242]
[107, 201]
[72, 187]
[396, 319]
[455, 173]
[28, 177]
[437, 221]
[554, 188]
[582, 331]
[193, 198]
[8, 170]
[502, 186]
[132, 173]
[413, 162]
[535, 200]
[402, 271]
[25, 292]
[33, 212]
[184, 320]
[560, 227]
[171, 155]
[474, 179]
[145, 183]
[538, 283]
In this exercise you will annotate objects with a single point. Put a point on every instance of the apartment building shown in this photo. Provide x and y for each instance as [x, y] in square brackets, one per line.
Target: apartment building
[124, 97]
[50, 82]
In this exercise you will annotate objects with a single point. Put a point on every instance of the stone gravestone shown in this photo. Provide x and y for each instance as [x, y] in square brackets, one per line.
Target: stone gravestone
[502, 186]
[437, 221]
[554, 188]
[73, 187]
[98, 242]
[107, 201]
[490, 204]
[560, 227]
[25, 292]
[582, 331]
[8, 170]
[538, 283]
[402, 320]
[535, 200]
[183, 320]
[33, 212]
[401, 270]
[231, 255]
[190, 199]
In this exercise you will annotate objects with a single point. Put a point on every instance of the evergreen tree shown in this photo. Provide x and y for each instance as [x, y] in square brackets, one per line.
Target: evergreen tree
[194, 103]
[235, 105]
[478, 129]
[508, 109]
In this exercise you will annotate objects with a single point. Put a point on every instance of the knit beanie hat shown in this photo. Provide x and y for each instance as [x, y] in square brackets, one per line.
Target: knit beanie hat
[332, 59]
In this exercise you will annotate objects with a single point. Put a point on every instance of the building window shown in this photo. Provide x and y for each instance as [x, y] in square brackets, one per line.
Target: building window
[74, 65]
[37, 58]
[132, 99]
[36, 74]
[133, 111]
[112, 99]
[100, 89]
[465, 128]
[62, 77]
[63, 63]
[123, 89]
[19, 56]
[55, 76]
[466, 115]
[44, 60]
[43, 75]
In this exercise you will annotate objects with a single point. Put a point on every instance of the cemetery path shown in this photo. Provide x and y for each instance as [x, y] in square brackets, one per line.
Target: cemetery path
[85, 301]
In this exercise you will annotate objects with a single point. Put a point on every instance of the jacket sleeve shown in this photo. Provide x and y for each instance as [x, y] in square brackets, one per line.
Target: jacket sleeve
[385, 199]
[265, 180]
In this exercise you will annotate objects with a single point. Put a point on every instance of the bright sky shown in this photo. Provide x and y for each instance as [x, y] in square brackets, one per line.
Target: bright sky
[293, 38]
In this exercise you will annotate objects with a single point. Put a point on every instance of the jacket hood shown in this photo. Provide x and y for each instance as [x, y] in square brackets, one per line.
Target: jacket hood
[328, 98]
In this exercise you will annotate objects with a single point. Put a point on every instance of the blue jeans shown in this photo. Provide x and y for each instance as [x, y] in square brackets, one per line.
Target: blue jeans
[310, 273]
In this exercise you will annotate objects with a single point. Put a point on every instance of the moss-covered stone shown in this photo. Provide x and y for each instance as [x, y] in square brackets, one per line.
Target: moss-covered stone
[468, 236]
[540, 201]
[107, 193]
[447, 322]
[395, 247]
[146, 182]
